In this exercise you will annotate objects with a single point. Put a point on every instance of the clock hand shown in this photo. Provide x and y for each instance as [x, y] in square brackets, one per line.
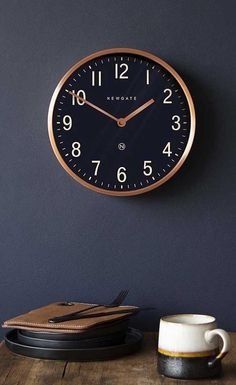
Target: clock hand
[138, 110]
[93, 105]
[122, 122]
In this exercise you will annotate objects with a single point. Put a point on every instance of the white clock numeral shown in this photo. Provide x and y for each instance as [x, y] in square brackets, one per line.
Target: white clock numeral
[75, 100]
[147, 77]
[67, 121]
[167, 150]
[97, 162]
[121, 75]
[76, 152]
[176, 126]
[147, 169]
[169, 93]
[121, 175]
[96, 78]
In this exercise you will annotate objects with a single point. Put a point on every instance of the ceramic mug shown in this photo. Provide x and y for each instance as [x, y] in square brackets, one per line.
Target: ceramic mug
[188, 346]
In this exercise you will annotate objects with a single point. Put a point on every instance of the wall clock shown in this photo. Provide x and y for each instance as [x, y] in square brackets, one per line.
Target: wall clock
[121, 121]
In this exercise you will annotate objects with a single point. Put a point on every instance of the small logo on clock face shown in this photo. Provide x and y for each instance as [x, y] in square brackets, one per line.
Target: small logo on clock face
[121, 98]
[121, 146]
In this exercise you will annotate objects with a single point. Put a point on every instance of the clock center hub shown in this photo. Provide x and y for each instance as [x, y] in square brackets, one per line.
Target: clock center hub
[121, 122]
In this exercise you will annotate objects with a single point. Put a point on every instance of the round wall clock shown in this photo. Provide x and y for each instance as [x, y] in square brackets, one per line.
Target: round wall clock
[121, 121]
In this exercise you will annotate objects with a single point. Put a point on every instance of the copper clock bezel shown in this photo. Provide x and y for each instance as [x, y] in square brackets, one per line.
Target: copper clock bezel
[173, 73]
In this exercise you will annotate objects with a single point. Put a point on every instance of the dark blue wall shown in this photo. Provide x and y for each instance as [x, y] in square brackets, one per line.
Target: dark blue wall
[174, 248]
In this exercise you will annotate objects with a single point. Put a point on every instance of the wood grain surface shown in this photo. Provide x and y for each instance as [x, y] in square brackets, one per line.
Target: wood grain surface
[138, 369]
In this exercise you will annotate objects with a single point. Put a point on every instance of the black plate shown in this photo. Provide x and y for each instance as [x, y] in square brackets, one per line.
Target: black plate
[132, 344]
[111, 339]
[99, 331]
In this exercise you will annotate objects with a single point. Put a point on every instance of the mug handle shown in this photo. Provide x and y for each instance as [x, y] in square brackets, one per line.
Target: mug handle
[209, 334]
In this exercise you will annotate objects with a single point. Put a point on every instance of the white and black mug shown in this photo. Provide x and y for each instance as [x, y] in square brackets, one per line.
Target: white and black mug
[188, 346]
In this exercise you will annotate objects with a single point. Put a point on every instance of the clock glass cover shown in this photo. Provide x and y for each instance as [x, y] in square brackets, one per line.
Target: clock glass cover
[121, 121]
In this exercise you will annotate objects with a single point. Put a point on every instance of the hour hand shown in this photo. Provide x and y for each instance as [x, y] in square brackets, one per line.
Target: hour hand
[93, 105]
[122, 122]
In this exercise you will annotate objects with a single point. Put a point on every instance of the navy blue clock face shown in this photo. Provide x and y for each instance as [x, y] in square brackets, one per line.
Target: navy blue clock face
[121, 123]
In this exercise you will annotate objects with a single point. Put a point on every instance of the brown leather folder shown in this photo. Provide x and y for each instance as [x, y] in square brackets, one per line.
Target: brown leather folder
[38, 319]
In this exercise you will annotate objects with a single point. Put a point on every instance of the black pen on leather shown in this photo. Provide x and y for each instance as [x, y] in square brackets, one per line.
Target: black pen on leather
[102, 314]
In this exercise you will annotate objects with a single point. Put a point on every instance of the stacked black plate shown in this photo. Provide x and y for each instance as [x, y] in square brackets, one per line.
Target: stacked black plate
[101, 343]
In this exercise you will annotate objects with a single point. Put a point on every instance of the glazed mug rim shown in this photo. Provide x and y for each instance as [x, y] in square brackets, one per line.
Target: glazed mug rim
[178, 319]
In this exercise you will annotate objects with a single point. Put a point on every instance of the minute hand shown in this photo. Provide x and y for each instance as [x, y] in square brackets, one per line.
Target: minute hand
[138, 110]
[93, 105]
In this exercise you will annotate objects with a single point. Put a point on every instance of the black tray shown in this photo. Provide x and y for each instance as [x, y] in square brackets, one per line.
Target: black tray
[111, 339]
[131, 344]
[99, 331]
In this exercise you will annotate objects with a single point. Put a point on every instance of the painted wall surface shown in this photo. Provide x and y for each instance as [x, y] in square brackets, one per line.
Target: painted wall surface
[173, 248]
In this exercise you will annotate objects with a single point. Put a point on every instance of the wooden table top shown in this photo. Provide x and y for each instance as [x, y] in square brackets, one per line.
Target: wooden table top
[137, 369]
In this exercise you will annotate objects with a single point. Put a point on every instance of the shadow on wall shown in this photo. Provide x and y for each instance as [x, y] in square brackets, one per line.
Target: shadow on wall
[202, 149]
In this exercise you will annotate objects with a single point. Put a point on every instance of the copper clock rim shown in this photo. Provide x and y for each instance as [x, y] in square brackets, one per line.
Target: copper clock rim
[180, 81]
